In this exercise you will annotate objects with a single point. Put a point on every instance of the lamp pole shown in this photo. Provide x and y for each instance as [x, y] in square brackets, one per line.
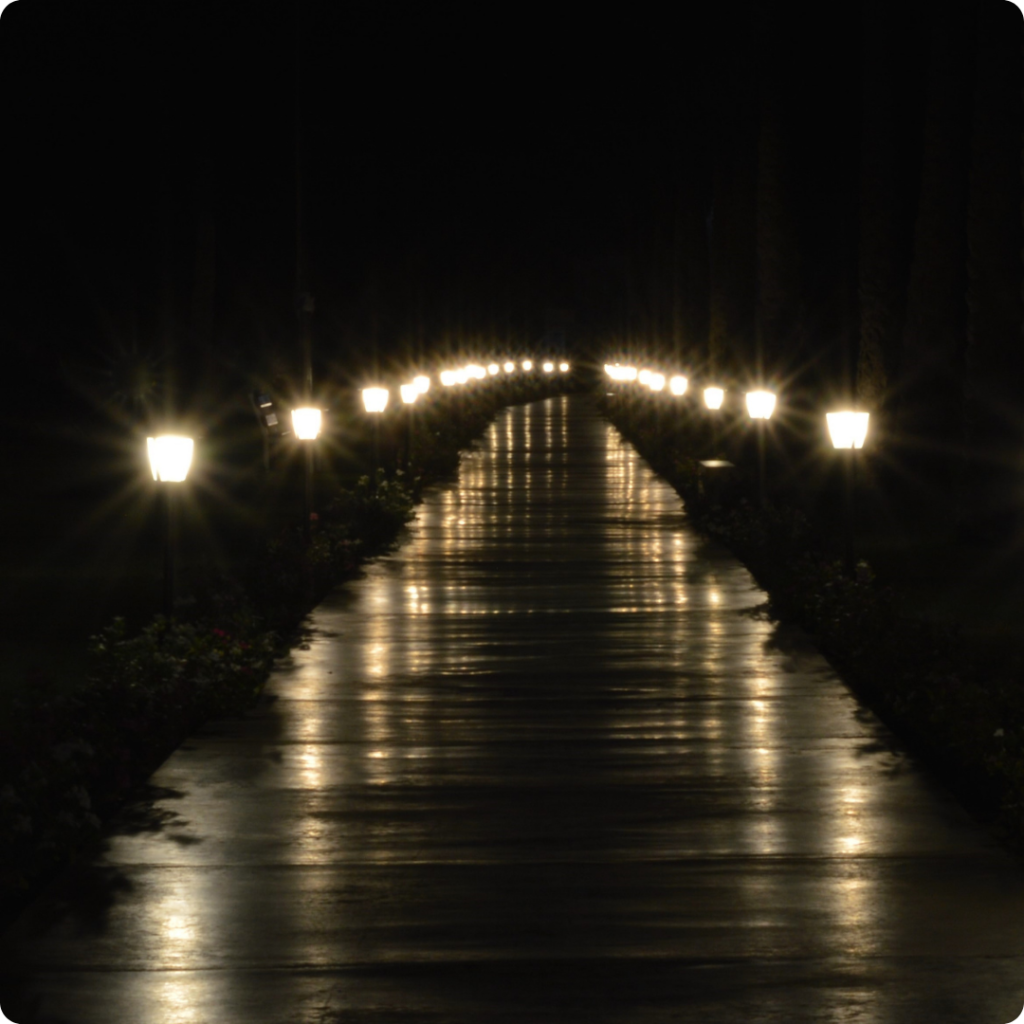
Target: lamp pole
[848, 430]
[170, 457]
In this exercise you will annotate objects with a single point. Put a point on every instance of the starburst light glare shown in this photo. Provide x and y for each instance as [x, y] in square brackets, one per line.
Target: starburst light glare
[760, 404]
[306, 423]
[847, 429]
[678, 385]
[170, 457]
[375, 399]
[713, 398]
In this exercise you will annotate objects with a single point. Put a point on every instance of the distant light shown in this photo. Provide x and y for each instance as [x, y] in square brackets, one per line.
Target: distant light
[548, 367]
[422, 384]
[563, 367]
[527, 365]
[760, 404]
[714, 397]
[678, 385]
[493, 368]
[620, 373]
[409, 393]
[644, 376]
[510, 367]
[656, 381]
[847, 429]
[471, 370]
[306, 423]
[461, 375]
[449, 377]
[170, 457]
[375, 399]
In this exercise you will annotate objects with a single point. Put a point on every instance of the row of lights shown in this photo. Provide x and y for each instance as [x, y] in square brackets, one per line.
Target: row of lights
[847, 428]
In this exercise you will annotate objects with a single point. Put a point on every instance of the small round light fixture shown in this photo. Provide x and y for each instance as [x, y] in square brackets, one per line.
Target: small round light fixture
[848, 429]
[170, 457]
[375, 399]
[306, 423]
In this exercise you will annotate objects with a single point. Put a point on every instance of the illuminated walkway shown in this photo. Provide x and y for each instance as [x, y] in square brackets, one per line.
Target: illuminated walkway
[539, 765]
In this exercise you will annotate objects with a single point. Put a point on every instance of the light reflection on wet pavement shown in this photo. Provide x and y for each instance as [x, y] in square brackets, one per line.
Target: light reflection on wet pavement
[540, 764]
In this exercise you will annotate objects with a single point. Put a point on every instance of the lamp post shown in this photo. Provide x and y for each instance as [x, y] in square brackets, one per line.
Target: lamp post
[306, 424]
[848, 431]
[375, 401]
[760, 406]
[170, 457]
[409, 392]
[713, 399]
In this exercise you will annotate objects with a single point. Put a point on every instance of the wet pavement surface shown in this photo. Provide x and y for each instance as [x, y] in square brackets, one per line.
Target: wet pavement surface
[543, 763]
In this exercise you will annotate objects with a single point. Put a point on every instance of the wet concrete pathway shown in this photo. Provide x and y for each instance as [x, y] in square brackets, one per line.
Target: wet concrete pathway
[541, 764]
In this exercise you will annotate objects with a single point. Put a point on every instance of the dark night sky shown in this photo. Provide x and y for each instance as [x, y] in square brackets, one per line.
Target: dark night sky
[500, 162]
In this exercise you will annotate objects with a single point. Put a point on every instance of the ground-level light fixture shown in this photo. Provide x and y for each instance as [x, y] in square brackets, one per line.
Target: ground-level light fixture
[170, 457]
[714, 397]
[678, 384]
[760, 404]
[847, 429]
[375, 399]
[306, 423]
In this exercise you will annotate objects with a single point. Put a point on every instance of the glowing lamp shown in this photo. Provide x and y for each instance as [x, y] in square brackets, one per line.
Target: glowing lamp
[656, 381]
[644, 376]
[847, 429]
[170, 457]
[677, 385]
[422, 384]
[760, 404]
[563, 367]
[527, 365]
[493, 368]
[448, 378]
[509, 367]
[548, 367]
[714, 397]
[306, 423]
[409, 393]
[375, 399]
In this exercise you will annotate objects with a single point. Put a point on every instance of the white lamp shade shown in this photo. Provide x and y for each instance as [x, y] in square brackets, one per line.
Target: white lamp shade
[170, 457]
[409, 393]
[375, 399]
[563, 367]
[548, 367]
[848, 429]
[422, 384]
[509, 367]
[714, 397]
[760, 404]
[306, 423]
[527, 365]
[678, 385]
